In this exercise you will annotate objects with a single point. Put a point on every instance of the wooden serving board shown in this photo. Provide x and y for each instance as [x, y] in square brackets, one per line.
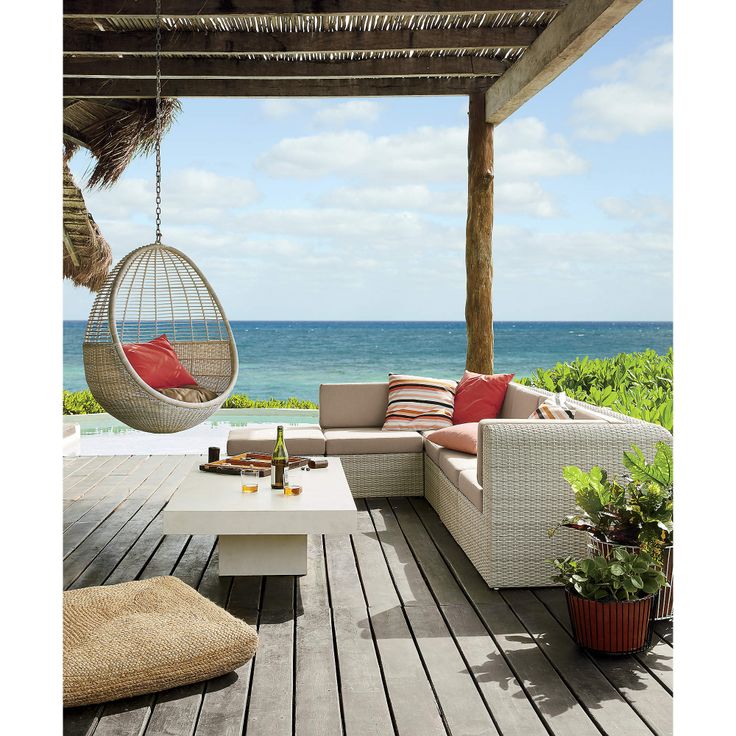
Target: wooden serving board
[259, 461]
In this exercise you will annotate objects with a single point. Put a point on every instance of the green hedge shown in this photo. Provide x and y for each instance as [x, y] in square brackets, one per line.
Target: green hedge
[82, 402]
[637, 384]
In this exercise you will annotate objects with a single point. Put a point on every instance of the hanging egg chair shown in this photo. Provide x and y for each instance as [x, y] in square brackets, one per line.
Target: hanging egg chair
[157, 290]
[152, 292]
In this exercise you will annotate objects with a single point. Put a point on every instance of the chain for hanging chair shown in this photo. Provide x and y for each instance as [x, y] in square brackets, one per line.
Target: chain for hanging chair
[158, 122]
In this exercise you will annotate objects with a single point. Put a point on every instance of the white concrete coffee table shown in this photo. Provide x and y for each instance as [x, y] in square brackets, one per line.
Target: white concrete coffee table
[262, 533]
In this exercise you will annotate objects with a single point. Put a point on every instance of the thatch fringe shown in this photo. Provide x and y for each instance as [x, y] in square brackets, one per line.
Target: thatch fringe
[116, 138]
[87, 255]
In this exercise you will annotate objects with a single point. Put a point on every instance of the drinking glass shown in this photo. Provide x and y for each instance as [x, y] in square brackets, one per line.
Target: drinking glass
[295, 484]
[249, 480]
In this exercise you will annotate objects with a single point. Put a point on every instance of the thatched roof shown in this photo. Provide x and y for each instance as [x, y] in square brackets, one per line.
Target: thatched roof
[87, 256]
[114, 131]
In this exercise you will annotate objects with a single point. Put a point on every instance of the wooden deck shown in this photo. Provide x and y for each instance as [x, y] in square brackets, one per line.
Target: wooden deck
[392, 631]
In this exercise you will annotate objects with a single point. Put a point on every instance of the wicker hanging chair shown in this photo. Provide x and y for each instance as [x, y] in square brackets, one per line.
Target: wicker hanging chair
[157, 290]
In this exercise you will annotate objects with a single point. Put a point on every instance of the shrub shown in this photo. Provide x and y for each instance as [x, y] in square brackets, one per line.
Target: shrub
[243, 401]
[622, 577]
[636, 384]
[82, 402]
[635, 510]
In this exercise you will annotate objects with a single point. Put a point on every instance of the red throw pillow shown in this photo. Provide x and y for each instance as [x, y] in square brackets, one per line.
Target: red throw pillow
[157, 363]
[480, 396]
[460, 437]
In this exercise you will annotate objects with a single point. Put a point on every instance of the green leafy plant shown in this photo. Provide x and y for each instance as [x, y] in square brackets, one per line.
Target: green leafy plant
[636, 384]
[636, 510]
[624, 576]
[243, 401]
[82, 402]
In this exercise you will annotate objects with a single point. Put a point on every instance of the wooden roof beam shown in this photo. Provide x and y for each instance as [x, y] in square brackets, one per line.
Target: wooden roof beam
[564, 41]
[225, 8]
[128, 67]
[76, 87]
[254, 42]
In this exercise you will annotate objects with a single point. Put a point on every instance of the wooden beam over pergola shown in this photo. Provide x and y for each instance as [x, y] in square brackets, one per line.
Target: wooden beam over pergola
[229, 8]
[499, 53]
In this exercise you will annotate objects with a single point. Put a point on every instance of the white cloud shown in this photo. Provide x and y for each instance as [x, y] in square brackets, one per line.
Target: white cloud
[525, 198]
[188, 195]
[525, 151]
[344, 113]
[636, 97]
[279, 108]
[417, 197]
[521, 253]
[642, 209]
[525, 148]
[349, 231]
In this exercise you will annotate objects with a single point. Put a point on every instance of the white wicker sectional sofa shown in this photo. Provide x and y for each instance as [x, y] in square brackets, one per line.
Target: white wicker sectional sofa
[498, 506]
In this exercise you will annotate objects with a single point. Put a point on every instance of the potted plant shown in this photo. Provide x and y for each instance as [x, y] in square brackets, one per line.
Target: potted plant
[634, 512]
[611, 600]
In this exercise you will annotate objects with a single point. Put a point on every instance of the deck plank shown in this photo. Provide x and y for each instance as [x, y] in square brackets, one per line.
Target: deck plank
[554, 701]
[156, 490]
[413, 703]
[225, 699]
[463, 708]
[112, 485]
[392, 630]
[635, 683]
[79, 483]
[270, 708]
[133, 715]
[317, 703]
[364, 697]
[602, 701]
[665, 631]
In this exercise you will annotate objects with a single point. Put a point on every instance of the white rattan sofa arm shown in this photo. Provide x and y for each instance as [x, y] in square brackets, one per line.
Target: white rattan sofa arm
[525, 495]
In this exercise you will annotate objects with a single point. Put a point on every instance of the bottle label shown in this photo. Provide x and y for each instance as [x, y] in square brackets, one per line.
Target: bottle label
[278, 474]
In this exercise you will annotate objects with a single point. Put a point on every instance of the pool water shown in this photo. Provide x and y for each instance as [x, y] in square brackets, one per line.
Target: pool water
[102, 434]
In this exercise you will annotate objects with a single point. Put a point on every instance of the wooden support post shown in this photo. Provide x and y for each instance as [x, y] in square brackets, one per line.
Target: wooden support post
[478, 251]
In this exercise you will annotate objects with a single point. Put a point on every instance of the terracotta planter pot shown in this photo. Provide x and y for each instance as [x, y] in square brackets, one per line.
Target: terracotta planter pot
[664, 605]
[611, 627]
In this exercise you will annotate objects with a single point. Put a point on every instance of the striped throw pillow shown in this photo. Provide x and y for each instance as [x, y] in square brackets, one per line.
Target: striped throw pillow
[556, 407]
[419, 403]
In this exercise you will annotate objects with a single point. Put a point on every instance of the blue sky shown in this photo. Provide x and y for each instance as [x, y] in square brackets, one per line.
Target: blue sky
[355, 209]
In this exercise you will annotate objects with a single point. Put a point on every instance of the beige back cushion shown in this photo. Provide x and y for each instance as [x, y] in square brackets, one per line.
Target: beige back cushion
[520, 402]
[352, 404]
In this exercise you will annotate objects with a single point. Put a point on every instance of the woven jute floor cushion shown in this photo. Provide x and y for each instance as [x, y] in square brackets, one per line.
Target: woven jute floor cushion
[145, 636]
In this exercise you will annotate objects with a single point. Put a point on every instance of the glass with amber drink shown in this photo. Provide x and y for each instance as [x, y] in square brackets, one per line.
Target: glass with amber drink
[294, 485]
[249, 480]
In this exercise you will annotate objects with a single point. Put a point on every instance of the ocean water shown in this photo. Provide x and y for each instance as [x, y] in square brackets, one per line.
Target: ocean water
[281, 359]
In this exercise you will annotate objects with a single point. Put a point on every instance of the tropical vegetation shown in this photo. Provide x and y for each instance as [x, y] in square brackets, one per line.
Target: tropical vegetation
[625, 576]
[636, 384]
[82, 402]
[635, 510]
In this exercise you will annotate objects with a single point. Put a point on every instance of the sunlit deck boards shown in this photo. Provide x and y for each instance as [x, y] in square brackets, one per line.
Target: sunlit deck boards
[391, 631]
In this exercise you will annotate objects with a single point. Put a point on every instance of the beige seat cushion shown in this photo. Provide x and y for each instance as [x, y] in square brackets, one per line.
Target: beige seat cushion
[146, 636]
[452, 463]
[302, 440]
[371, 441]
[433, 450]
[193, 394]
[470, 488]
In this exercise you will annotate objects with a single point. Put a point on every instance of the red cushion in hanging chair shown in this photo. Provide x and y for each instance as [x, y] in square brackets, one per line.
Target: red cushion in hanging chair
[157, 363]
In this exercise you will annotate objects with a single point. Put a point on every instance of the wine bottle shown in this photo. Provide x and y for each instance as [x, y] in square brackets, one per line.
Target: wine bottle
[279, 461]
